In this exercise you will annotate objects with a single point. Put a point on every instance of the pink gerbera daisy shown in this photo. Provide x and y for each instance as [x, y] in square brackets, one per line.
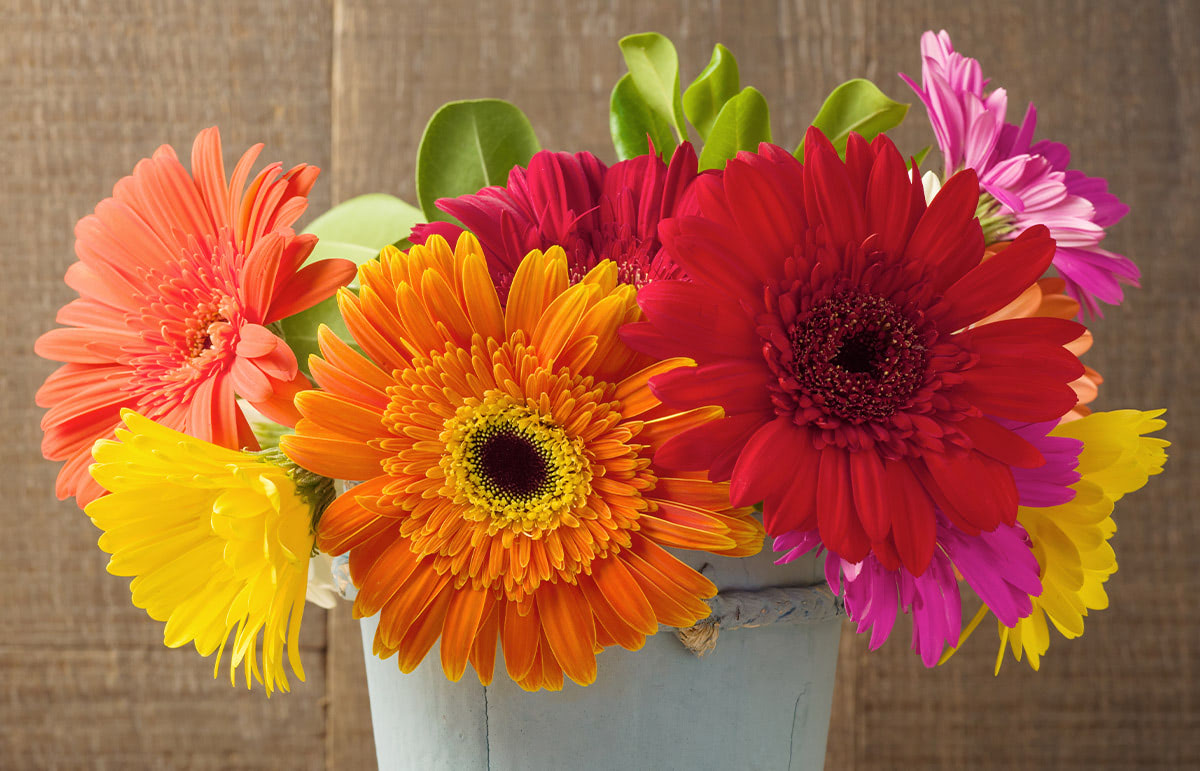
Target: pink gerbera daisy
[829, 316]
[594, 212]
[1024, 183]
[178, 278]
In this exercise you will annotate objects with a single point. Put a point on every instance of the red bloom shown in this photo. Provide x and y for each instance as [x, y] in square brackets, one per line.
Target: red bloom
[594, 212]
[178, 277]
[830, 315]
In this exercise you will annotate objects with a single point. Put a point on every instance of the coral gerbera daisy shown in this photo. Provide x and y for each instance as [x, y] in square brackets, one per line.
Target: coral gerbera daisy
[1023, 183]
[828, 316]
[179, 277]
[594, 212]
[510, 490]
[1070, 538]
[227, 557]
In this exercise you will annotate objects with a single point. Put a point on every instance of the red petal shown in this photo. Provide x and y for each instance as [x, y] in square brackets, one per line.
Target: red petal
[914, 524]
[870, 493]
[1000, 443]
[737, 385]
[696, 322]
[837, 519]
[977, 492]
[758, 473]
[996, 282]
[697, 448]
[829, 197]
[948, 235]
[795, 507]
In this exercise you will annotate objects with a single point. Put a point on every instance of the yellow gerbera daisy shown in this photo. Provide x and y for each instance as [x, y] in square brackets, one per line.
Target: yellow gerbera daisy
[217, 541]
[1071, 540]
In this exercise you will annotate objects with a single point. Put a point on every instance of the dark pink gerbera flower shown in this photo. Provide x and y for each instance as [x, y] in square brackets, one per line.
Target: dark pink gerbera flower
[594, 212]
[830, 315]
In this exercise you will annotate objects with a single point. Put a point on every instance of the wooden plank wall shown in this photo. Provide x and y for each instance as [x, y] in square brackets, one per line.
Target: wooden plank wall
[89, 88]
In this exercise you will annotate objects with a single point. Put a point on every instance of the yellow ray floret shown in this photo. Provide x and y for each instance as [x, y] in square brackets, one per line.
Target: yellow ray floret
[1071, 540]
[217, 542]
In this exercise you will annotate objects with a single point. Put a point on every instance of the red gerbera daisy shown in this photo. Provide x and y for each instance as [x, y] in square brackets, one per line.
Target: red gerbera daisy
[830, 315]
[178, 277]
[592, 211]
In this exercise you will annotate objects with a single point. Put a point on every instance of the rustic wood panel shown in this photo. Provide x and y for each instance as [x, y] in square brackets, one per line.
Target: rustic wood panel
[87, 90]
[90, 88]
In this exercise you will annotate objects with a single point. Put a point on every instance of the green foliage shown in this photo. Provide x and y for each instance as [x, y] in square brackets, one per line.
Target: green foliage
[712, 88]
[354, 230]
[654, 67]
[742, 124]
[631, 120]
[856, 105]
[468, 146]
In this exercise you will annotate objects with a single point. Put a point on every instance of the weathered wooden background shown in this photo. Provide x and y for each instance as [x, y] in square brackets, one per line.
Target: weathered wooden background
[88, 88]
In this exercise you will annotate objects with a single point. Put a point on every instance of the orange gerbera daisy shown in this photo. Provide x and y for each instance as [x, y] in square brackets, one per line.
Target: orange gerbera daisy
[508, 456]
[178, 278]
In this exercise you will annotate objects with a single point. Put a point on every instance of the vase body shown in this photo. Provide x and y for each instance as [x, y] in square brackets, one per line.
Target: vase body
[760, 700]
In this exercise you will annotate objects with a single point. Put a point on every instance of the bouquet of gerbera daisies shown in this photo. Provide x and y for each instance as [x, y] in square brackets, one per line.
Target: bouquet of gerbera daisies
[555, 372]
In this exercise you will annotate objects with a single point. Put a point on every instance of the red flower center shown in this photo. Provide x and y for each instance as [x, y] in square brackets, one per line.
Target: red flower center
[858, 355]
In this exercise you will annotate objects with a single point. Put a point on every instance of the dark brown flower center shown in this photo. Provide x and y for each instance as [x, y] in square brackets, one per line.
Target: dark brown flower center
[510, 464]
[858, 355]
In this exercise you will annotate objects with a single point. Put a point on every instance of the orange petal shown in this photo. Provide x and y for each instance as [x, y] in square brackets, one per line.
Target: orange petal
[334, 458]
[424, 632]
[483, 652]
[683, 537]
[570, 630]
[610, 626]
[387, 575]
[621, 590]
[670, 607]
[458, 634]
[519, 640]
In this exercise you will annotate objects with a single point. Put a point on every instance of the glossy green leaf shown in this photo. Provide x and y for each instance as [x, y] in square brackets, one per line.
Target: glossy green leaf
[630, 120]
[920, 156]
[712, 88]
[468, 146]
[856, 105]
[654, 65]
[354, 230]
[742, 124]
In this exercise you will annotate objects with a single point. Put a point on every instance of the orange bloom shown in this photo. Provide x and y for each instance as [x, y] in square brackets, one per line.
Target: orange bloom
[178, 277]
[508, 456]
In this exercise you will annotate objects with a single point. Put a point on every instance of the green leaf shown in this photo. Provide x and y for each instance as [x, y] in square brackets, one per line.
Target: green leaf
[920, 156]
[373, 220]
[711, 89]
[856, 105]
[743, 122]
[468, 146]
[654, 65]
[354, 230]
[630, 120]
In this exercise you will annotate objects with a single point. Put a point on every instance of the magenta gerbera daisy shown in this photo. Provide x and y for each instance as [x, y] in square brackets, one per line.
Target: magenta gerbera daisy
[593, 211]
[1024, 183]
[829, 315]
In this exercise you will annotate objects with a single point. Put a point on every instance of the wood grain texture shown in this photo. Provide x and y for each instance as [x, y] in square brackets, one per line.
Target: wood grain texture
[89, 88]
